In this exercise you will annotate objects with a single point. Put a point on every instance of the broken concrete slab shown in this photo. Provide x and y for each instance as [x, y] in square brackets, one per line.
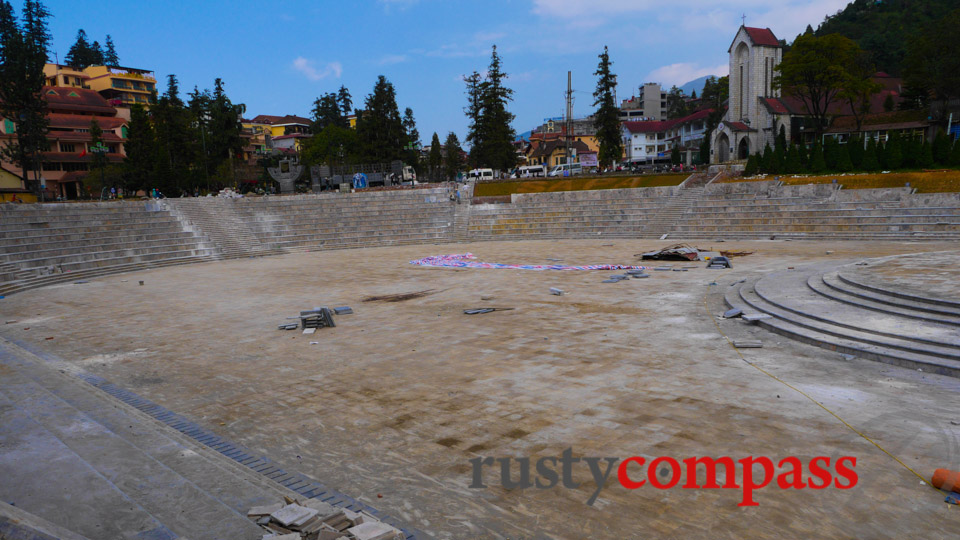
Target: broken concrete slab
[343, 310]
[265, 510]
[748, 344]
[731, 313]
[754, 317]
[374, 530]
[555, 291]
[309, 330]
[288, 326]
[293, 515]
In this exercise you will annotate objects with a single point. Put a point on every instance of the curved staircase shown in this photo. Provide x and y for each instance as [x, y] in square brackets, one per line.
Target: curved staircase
[822, 306]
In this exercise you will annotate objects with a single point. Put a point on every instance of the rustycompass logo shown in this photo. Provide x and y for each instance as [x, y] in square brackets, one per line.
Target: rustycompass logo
[664, 472]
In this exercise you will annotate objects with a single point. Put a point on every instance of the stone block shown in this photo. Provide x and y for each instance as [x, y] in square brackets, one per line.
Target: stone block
[374, 530]
[293, 515]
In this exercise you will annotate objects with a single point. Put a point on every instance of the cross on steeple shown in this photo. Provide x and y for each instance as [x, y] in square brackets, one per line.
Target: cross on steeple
[744, 19]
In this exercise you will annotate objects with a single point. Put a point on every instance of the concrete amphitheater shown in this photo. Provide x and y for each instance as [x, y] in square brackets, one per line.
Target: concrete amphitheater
[168, 409]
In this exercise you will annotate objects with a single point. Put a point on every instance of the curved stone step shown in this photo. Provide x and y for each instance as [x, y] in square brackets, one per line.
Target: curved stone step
[790, 291]
[816, 284]
[749, 294]
[898, 294]
[941, 366]
[832, 280]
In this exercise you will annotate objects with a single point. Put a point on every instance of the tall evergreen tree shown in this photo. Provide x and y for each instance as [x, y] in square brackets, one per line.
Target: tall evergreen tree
[793, 164]
[911, 152]
[346, 103]
[78, 56]
[411, 153]
[452, 162]
[435, 159]
[380, 129]
[607, 119]
[497, 136]
[139, 161]
[473, 111]
[23, 49]
[766, 160]
[831, 153]
[225, 141]
[327, 111]
[843, 158]
[894, 152]
[817, 162]
[752, 166]
[926, 155]
[941, 148]
[870, 160]
[856, 150]
[96, 54]
[176, 141]
[110, 57]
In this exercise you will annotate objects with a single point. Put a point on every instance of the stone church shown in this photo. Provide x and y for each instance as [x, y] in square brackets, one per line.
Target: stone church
[749, 124]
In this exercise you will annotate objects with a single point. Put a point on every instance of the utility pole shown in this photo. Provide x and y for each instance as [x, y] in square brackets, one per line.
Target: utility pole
[569, 119]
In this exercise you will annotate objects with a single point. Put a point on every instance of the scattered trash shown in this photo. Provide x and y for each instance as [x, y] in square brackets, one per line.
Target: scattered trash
[634, 272]
[288, 326]
[731, 313]
[48, 339]
[554, 260]
[486, 298]
[556, 292]
[399, 297]
[10, 322]
[465, 260]
[754, 317]
[678, 252]
[315, 519]
[82, 281]
[663, 268]
[719, 262]
[317, 318]
[731, 254]
[952, 498]
[748, 344]
[640, 276]
[343, 310]
[480, 311]
[680, 270]
[829, 253]
[309, 330]
[955, 423]
[314, 342]
[141, 283]
[664, 237]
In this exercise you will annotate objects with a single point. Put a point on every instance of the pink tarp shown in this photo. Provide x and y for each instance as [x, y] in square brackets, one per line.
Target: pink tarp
[465, 260]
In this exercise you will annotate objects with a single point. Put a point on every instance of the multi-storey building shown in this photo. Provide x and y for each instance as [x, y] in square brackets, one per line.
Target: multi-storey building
[122, 87]
[649, 105]
[71, 111]
[652, 142]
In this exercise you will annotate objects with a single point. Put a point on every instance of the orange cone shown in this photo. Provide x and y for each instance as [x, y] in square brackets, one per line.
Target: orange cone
[946, 480]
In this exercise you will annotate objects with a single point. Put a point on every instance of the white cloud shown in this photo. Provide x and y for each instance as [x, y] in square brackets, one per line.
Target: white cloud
[391, 59]
[684, 72]
[306, 67]
[786, 18]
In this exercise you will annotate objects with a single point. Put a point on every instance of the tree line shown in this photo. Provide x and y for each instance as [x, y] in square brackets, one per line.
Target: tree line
[856, 155]
[83, 54]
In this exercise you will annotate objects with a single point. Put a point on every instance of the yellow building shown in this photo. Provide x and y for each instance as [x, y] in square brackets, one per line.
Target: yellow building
[120, 86]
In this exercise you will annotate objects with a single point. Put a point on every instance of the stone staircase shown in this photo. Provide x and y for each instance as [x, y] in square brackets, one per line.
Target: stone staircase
[82, 454]
[217, 219]
[666, 218]
[821, 306]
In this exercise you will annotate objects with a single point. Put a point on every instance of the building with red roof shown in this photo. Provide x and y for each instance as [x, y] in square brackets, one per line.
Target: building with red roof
[71, 111]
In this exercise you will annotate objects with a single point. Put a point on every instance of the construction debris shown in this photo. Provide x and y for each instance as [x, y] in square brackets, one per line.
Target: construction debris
[555, 291]
[316, 520]
[678, 252]
[731, 254]
[754, 317]
[288, 326]
[731, 313]
[719, 262]
[316, 318]
[480, 311]
[343, 310]
[748, 344]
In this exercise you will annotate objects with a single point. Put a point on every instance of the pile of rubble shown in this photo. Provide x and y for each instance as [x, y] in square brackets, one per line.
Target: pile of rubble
[316, 520]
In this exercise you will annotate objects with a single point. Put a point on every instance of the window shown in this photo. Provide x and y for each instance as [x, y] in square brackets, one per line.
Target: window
[8, 126]
[72, 167]
[68, 147]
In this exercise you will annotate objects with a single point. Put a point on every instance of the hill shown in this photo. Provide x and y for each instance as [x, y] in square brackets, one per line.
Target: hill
[884, 27]
[696, 84]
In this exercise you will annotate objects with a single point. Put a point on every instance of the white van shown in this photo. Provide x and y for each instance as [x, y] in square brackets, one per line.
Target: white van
[528, 171]
[481, 174]
[566, 170]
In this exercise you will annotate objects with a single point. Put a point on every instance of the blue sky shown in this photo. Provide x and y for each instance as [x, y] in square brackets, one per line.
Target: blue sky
[277, 57]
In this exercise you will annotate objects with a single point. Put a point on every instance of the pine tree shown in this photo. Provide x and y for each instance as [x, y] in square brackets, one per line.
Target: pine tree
[843, 158]
[894, 152]
[346, 104]
[78, 56]
[412, 149]
[497, 135]
[955, 154]
[139, 161]
[435, 159]
[831, 153]
[817, 162]
[96, 54]
[452, 161]
[606, 118]
[941, 148]
[110, 57]
[911, 152]
[380, 129]
[793, 164]
[326, 112]
[779, 158]
[766, 160]
[856, 150]
[926, 155]
[473, 111]
[882, 154]
[752, 165]
[870, 160]
[224, 140]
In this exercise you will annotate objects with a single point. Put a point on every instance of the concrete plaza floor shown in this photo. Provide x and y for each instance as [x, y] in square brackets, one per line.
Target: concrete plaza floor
[391, 404]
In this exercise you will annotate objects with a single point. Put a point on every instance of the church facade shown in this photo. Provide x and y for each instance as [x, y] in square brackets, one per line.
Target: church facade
[749, 124]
